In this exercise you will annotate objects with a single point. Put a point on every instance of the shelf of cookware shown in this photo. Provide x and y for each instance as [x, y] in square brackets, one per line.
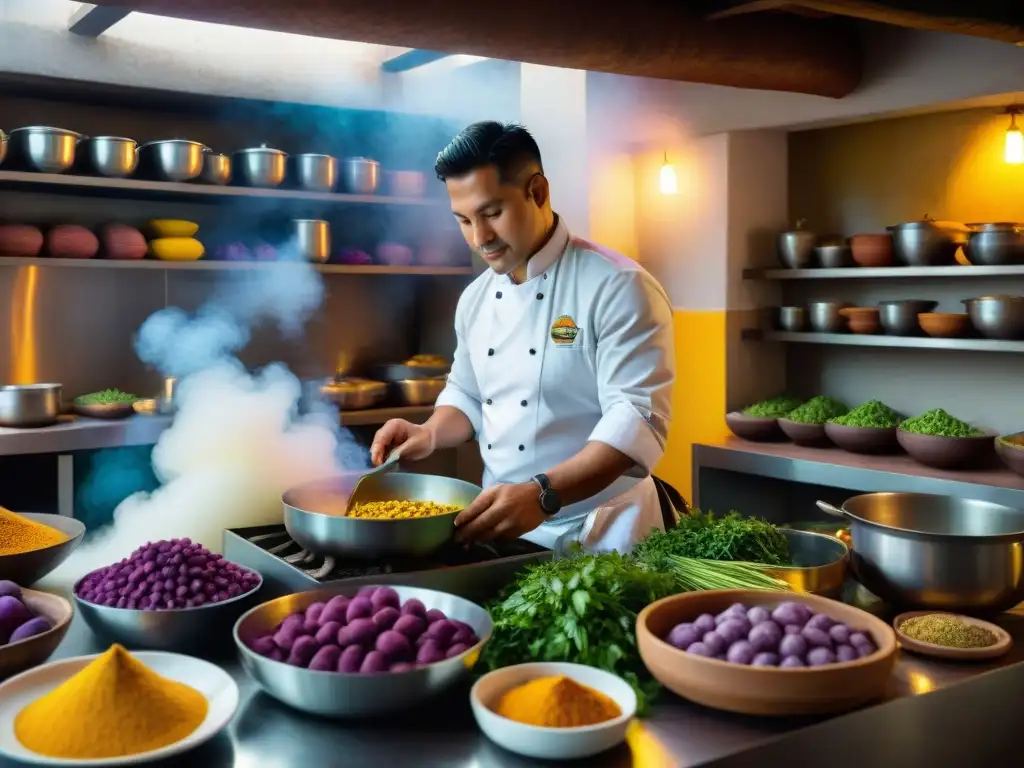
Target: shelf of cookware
[75, 433]
[900, 342]
[141, 188]
[230, 266]
[835, 468]
[862, 273]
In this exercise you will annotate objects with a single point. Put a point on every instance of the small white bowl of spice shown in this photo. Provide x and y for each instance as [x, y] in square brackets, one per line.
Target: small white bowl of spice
[951, 636]
[553, 711]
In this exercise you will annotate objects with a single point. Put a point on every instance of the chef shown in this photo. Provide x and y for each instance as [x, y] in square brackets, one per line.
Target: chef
[563, 367]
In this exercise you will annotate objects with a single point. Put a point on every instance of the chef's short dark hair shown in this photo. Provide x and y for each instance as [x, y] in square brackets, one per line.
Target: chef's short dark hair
[506, 146]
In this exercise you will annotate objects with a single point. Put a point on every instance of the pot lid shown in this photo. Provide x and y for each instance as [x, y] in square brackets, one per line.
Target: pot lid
[997, 226]
[108, 138]
[998, 297]
[175, 141]
[263, 148]
[46, 129]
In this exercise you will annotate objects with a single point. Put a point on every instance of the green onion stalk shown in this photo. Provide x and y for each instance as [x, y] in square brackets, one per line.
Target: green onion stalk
[693, 575]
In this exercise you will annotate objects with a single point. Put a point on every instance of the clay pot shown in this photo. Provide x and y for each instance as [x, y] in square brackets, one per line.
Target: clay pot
[871, 250]
[944, 325]
[862, 319]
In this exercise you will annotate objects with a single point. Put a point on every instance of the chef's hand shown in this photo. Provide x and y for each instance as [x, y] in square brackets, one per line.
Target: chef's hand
[415, 440]
[500, 512]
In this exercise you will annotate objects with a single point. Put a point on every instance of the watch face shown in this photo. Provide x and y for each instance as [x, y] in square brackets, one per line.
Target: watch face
[550, 501]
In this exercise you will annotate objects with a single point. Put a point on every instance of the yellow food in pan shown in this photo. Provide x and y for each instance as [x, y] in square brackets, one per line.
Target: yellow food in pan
[400, 510]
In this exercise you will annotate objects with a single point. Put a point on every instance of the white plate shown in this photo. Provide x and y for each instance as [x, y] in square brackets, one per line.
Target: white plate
[551, 743]
[214, 683]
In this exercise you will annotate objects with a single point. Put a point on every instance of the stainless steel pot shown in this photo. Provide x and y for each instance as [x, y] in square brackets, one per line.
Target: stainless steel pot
[826, 316]
[833, 256]
[113, 156]
[792, 318]
[420, 391]
[45, 149]
[899, 318]
[216, 168]
[353, 394]
[29, 405]
[796, 247]
[936, 552]
[314, 515]
[313, 239]
[927, 243]
[995, 245]
[173, 159]
[317, 173]
[997, 317]
[259, 166]
[360, 176]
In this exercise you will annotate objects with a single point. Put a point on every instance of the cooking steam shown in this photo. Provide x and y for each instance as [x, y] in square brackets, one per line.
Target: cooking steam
[238, 440]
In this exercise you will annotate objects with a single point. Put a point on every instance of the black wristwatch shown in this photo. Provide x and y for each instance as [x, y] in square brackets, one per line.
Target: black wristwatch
[550, 500]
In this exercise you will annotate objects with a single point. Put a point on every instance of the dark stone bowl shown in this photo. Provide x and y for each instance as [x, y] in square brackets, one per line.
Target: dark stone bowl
[808, 435]
[946, 452]
[871, 440]
[754, 428]
[1011, 452]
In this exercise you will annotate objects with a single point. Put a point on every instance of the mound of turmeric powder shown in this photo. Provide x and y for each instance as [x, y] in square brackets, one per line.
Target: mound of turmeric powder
[19, 534]
[557, 702]
[113, 707]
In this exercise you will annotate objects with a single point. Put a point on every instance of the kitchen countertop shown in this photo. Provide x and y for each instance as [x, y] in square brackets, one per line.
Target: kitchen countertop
[265, 733]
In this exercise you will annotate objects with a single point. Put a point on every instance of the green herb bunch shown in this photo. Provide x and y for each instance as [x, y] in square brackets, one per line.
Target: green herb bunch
[106, 397]
[703, 536]
[818, 410]
[773, 407]
[938, 422]
[873, 413]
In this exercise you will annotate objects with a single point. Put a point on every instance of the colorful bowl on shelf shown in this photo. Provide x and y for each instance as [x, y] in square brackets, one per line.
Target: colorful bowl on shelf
[946, 452]
[944, 325]
[754, 428]
[867, 440]
[808, 435]
[862, 319]
[871, 250]
[764, 690]
[1010, 449]
[24, 654]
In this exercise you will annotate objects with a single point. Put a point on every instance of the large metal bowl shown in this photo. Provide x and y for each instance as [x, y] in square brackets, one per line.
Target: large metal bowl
[30, 405]
[44, 149]
[899, 318]
[333, 694]
[259, 167]
[418, 392]
[827, 317]
[819, 563]
[997, 317]
[926, 243]
[993, 245]
[936, 552]
[314, 514]
[173, 159]
[27, 568]
[112, 156]
[200, 630]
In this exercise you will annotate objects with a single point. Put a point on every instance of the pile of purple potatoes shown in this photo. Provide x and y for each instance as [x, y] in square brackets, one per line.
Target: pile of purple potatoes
[17, 622]
[370, 633]
[790, 636]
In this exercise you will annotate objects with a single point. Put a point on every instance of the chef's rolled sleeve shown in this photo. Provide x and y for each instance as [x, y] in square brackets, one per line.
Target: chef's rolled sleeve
[635, 367]
[461, 390]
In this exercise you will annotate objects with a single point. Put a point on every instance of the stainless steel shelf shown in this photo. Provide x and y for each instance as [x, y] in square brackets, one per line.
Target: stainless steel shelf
[229, 266]
[870, 273]
[885, 342]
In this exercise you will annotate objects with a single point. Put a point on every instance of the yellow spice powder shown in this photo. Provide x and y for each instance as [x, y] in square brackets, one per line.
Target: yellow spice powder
[557, 702]
[113, 707]
[19, 534]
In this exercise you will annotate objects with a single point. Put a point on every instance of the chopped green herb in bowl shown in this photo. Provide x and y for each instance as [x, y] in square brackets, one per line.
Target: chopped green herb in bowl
[773, 407]
[938, 423]
[873, 414]
[818, 410]
[106, 397]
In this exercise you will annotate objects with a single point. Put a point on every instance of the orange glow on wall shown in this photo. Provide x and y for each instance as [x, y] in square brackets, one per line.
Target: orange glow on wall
[24, 362]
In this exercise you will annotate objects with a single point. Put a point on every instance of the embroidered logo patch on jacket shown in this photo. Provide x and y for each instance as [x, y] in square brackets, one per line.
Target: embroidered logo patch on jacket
[564, 330]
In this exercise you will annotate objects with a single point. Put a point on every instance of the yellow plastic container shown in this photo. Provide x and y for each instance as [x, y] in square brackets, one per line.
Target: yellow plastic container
[172, 228]
[176, 249]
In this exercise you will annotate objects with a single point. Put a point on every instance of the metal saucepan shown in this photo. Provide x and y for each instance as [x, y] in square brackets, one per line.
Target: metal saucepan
[936, 552]
[927, 243]
[993, 245]
[314, 515]
[112, 156]
[173, 159]
[419, 392]
[216, 168]
[360, 176]
[313, 239]
[44, 149]
[259, 166]
[317, 173]
[353, 394]
[29, 405]
[819, 563]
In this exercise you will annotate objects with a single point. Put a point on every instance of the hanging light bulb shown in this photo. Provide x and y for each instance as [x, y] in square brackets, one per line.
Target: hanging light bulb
[1013, 152]
[667, 178]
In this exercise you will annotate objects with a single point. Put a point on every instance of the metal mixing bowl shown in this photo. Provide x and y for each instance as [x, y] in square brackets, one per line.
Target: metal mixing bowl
[333, 694]
[925, 244]
[173, 159]
[936, 552]
[314, 514]
[997, 317]
[112, 156]
[216, 168]
[26, 568]
[833, 256]
[899, 318]
[420, 391]
[45, 149]
[182, 630]
[995, 245]
[317, 173]
[360, 176]
[826, 316]
[30, 405]
[792, 318]
[819, 563]
[259, 167]
[796, 248]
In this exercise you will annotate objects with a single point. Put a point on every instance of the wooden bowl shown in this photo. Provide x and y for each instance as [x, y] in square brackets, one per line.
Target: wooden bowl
[868, 440]
[1001, 646]
[946, 452]
[105, 410]
[1010, 449]
[944, 325]
[17, 657]
[871, 250]
[768, 691]
[809, 435]
[754, 428]
[862, 319]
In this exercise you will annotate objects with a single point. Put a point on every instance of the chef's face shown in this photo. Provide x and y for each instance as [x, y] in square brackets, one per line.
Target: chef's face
[502, 220]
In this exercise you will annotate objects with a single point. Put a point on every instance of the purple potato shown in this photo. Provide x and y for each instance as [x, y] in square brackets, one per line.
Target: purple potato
[263, 645]
[791, 662]
[865, 650]
[699, 649]
[359, 608]
[715, 642]
[295, 619]
[310, 627]
[683, 636]
[394, 645]
[435, 614]
[765, 636]
[374, 662]
[302, 651]
[411, 626]
[734, 611]
[13, 614]
[793, 645]
[442, 632]
[401, 666]
[860, 639]
[386, 617]
[846, 653]
[351, 659]
[455, 650]
[840, 634]
[414, 607]
[816, 638]
[740, 652]
[465, 637]
[30, 628]
[818, 657]
[734, 629]
[821, 621]
[385, 597]
[705, 622]
[758, 615]
[286, 636]
[367, 591]
[335, 610]
[10, 589]
[790, 629]
[429, 653]
[326, 659]
[276, 655]
[328, 633]
[791, 613]
[314, 612]
[360, 632]
[765, 660]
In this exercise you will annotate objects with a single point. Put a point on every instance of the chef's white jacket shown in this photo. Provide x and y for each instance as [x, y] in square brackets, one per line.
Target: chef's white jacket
[580, 351]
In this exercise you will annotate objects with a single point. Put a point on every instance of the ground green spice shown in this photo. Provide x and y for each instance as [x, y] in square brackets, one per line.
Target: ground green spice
[106, 397]
[947, 631]
[818, 410]
[773, 407]
[939, 423]
[873, 413]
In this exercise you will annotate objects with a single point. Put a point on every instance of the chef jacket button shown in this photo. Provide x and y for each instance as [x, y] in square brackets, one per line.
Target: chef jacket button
[490, 353]
[489, 401]
[523, 403]
[488, 446]
[522, 447]
[545, 275]
[533, 351]
[497, 295]
[540, 296]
